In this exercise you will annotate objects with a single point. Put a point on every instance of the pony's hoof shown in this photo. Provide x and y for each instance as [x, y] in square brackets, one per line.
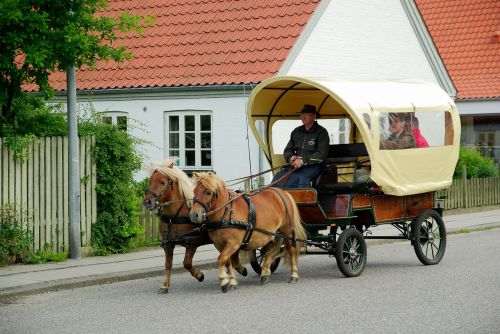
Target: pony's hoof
[201, 278]
[225, 288]
[264, 280]
[163, 291]
[293, 280]
[244, 272]
[232, 287]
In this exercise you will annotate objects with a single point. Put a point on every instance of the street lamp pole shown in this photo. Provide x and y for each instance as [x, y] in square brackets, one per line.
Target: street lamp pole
[74, 167]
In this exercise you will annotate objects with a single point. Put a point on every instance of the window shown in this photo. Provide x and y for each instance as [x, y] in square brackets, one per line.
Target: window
[415, 130]
[118, 118]
[189, 137]
[338, 130]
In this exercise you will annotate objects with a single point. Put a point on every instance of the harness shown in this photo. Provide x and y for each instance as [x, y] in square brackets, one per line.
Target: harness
[249, 225]
[196, 236]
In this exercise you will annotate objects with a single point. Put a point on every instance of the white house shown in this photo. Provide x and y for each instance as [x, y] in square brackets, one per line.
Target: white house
[193, 70]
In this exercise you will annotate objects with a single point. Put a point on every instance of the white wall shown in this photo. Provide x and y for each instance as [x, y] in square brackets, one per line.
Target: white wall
[360, 40]
[229, 135]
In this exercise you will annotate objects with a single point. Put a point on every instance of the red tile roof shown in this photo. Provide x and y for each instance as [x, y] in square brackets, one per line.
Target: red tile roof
[201, 42]
[466, 34]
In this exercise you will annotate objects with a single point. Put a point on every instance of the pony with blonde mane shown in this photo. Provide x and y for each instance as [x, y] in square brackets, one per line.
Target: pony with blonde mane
[235, 222]
[171, 192]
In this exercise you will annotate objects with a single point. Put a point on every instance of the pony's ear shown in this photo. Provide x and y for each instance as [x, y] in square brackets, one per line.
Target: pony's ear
[171, 165]
[210, 173]
[195, 175]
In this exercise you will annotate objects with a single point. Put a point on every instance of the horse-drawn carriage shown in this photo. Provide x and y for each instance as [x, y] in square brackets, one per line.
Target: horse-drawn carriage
[367, 180]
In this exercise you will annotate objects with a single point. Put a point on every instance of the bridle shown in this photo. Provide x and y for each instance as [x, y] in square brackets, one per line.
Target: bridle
[156, 196]
[208, 205]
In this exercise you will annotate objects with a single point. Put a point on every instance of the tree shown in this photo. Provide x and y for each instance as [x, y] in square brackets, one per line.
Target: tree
[42, 36]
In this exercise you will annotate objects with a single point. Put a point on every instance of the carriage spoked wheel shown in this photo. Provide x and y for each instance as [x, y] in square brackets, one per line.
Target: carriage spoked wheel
[256, 258]
[350, 252]
[429, 237]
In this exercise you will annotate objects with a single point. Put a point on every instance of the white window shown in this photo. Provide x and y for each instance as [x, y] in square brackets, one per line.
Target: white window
[189, 136]
[118, 118]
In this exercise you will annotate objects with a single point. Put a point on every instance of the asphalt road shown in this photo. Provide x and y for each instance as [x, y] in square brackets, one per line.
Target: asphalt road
[395, 294]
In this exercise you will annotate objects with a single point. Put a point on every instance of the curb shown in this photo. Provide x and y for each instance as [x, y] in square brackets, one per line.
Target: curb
[9, 294]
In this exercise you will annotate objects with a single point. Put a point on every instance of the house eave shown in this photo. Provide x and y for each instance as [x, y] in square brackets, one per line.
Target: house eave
[169, 92]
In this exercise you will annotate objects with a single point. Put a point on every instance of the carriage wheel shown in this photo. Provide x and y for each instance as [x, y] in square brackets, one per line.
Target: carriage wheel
[429, 237]
[256, 257]
[350, 252]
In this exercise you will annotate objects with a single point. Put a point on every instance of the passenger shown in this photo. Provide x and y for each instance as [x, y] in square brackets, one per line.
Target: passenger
[399, 138]
[306, 151]
[413, 127]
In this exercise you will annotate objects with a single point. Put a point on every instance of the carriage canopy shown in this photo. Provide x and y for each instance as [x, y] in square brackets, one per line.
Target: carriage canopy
[362, 112]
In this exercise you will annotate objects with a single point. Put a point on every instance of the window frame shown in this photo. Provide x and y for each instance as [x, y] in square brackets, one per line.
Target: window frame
[114, 117]
[198, 149]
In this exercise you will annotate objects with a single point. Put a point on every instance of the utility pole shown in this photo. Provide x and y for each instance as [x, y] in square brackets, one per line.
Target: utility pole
[74, 167]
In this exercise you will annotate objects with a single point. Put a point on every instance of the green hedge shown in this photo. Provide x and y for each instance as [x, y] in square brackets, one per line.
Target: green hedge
[477, 165]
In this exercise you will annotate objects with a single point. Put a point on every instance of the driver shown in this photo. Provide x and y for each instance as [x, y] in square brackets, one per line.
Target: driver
[306, 151]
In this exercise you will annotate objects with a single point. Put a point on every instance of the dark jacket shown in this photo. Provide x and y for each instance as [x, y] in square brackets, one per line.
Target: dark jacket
[312, 145]
[401, 141]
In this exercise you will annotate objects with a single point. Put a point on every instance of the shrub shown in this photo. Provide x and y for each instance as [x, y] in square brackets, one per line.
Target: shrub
[15, 243]
[33, 118]
[477, 165]
[117, 202]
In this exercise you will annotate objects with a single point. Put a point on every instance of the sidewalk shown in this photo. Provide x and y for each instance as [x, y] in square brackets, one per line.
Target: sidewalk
[19, 280]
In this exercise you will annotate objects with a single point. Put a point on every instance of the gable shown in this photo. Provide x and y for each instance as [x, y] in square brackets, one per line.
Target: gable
[368, 40]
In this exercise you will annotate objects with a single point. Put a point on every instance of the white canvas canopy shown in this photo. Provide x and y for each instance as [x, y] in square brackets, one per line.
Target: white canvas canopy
[367, 105]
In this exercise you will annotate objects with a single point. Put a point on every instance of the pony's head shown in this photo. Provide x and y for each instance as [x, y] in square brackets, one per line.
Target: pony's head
[206, 191]
[167, 181]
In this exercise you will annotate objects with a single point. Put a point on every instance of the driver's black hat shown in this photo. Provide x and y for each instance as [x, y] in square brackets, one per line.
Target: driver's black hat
[309, 109]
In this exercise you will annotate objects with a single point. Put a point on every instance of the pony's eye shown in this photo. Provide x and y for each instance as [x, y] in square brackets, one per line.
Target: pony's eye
[162, 183]
[208, 193]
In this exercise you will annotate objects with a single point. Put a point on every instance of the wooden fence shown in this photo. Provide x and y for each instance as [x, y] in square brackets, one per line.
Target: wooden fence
[468, 193]
[151, 224]
[38, 187]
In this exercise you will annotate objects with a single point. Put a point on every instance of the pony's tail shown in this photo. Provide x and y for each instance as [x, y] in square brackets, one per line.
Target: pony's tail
[298, 228]
[299, 233]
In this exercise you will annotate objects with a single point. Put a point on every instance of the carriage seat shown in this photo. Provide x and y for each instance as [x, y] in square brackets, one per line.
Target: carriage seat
[343, 154]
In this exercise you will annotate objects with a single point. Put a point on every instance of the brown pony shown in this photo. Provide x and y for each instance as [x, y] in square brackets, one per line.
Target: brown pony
[171, 190]
[228, 215]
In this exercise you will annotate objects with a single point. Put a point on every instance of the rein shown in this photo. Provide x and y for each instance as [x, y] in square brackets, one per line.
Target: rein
[207, 206]
[244, 178]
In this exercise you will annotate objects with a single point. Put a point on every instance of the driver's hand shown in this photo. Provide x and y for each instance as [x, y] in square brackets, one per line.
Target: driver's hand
[297, 162]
